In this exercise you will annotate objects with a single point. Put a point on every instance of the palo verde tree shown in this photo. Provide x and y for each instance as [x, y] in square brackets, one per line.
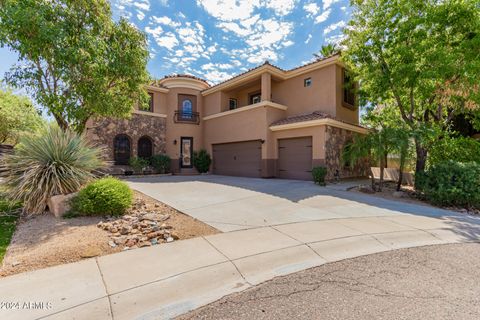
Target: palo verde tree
[74, 59]
[422, 55]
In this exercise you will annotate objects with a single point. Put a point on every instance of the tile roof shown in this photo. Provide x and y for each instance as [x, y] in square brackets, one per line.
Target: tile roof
[185, 76]
[268, 63]
[302, 118]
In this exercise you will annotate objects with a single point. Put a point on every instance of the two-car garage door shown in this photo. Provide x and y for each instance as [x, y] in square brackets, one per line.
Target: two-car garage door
[295, 158]
[245, 158]
[238, 158]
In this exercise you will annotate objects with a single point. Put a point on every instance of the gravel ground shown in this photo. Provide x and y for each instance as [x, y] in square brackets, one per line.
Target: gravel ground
[44, 241]
[434, 282]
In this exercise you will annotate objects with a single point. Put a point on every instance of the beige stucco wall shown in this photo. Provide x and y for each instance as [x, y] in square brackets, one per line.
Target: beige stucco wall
[177, 130]
[242, 126]
[241, 95]
[342, 112]
[320, 96]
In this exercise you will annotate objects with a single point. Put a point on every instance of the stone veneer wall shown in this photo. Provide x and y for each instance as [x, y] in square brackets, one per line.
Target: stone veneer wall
[335, 140]
[103, 131]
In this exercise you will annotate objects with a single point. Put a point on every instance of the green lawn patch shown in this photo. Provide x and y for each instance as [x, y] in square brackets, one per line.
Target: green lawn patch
[7, 223]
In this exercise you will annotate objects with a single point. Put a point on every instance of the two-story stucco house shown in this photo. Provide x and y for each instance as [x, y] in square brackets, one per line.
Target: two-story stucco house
[266, 122]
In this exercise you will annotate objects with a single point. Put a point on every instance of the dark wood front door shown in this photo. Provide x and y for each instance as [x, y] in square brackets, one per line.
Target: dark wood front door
[121, 149]
[145, 148]
[186, 152]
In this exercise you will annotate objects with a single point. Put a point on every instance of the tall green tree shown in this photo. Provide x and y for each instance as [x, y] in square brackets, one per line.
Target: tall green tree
[422, 55]
[18, 115]
[75, 60]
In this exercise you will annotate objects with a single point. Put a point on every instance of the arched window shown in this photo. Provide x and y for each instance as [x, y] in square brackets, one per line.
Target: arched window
[187, 108]
[145, 147]
[121, 149]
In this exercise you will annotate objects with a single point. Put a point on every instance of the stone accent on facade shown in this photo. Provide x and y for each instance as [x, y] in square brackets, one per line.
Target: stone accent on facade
[335, 140]
[102, 132]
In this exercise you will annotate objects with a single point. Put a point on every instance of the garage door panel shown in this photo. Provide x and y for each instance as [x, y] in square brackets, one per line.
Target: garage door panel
[295, 158]
[238, 158]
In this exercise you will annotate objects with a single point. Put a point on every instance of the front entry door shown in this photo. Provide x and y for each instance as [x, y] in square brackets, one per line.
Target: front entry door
[186, 152]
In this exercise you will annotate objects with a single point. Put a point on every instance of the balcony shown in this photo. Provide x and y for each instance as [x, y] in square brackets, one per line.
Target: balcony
[186, 117]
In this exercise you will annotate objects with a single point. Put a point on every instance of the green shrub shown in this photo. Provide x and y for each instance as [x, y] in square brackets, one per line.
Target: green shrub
[202, 160]
[138, 164]
[319, 174]
[48, 163]
[161, 162]
[458, 149]
[452, 183]
[106, 196]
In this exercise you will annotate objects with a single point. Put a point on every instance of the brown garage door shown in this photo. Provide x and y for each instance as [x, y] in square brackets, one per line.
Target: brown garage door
[238, 159]
[295, 158]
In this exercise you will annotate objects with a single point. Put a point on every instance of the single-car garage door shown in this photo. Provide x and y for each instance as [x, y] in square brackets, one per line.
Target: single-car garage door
[238, 159]
[295, 158]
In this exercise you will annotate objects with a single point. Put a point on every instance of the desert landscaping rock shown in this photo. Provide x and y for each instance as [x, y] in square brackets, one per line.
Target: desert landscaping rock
[44, 240]
[60, 204]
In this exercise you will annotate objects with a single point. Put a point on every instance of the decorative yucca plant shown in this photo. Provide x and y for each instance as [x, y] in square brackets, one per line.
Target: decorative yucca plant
[49, 163]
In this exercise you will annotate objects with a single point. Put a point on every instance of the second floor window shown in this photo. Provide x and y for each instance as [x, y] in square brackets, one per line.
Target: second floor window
[232, 104]
[255, 98]
[307, 82]
[187, 109]
[348, 89]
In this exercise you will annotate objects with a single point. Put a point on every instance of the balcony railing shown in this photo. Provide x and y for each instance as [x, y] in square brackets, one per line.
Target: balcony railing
[186, 117]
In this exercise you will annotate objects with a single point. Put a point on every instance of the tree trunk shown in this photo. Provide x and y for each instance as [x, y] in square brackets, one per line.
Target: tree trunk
[382, 170]
[400, 167]
[421, 159]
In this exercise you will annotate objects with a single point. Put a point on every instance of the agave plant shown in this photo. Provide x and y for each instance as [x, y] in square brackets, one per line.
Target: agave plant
[49, 163]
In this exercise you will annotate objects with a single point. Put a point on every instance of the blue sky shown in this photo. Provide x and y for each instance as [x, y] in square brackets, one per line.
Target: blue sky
[216, 39]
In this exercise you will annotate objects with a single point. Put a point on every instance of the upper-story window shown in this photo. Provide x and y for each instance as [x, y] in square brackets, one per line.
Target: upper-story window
[232, 104]
[255, 98]
[307, 82]
[348, 89]
[150, 102]
[187, 109]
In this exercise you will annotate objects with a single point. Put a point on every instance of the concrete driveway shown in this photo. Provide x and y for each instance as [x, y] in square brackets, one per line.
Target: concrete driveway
[272, 228]
[236, 203]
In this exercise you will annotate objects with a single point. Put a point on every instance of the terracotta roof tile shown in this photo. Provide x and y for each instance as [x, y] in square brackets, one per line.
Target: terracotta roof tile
[268, 63]
[185, 76]
[302, 118]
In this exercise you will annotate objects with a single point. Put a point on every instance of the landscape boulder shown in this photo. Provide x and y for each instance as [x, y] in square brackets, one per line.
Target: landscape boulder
[60, 204]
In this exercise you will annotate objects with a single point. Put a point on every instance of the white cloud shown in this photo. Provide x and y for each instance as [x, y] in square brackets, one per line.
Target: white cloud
[143, 5]
[169, 41]
[280, 7]
[328, 3]
[216, 76]
[334, 27]
[155, 32]
[235, 28]
[262, 56]
[308, 39]
[215, 66]
[323, 17]
[140, 15]
[228, 10]
[166, 21]
[312, 9]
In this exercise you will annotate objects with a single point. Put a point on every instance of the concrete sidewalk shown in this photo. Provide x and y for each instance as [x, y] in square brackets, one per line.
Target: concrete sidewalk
[170, 279]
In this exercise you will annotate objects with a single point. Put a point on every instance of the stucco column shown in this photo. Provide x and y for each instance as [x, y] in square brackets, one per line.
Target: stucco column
[266, 86]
